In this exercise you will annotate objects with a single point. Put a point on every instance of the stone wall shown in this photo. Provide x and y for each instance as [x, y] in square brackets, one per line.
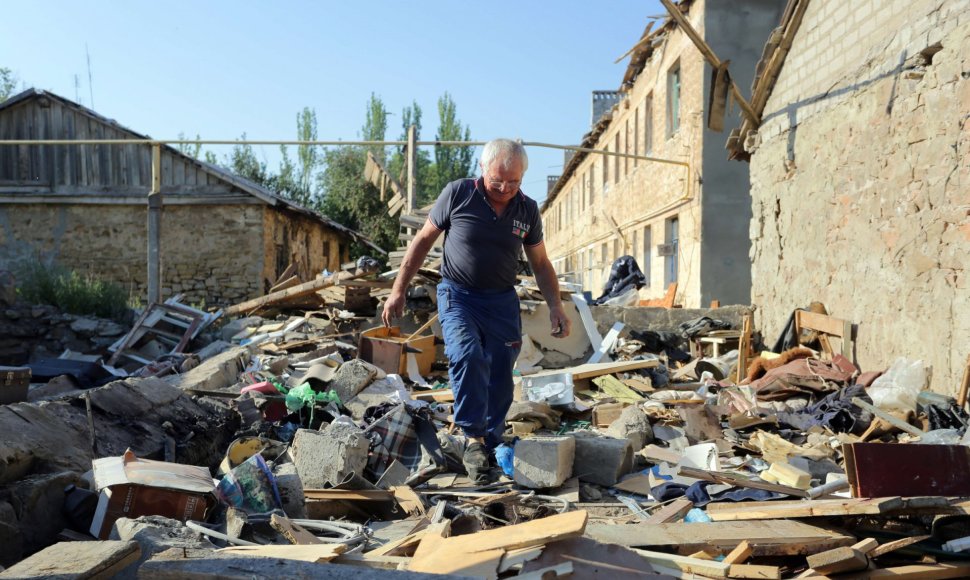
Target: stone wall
[211, 253]
[860, 180]
[31, 332]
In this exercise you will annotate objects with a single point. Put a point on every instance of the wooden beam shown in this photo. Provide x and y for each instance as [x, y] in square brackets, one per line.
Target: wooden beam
[710, 57]
[672, 512]
[894, 421]
[304, 289]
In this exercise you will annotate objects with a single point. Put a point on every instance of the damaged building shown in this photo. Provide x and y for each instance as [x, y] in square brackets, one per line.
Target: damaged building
[859, 176]
[224, 238]
[685, 223]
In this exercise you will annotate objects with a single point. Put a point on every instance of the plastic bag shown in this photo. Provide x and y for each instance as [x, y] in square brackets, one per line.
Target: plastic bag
[629, 297]
[898, 388]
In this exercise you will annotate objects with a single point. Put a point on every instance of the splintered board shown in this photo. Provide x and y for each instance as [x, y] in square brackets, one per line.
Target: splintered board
[590, 370]
[767, 538]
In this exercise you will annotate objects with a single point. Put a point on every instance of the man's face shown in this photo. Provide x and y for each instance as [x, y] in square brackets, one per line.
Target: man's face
[502, 184]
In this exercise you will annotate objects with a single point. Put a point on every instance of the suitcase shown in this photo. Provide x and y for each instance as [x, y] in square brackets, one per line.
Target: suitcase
[14, 382]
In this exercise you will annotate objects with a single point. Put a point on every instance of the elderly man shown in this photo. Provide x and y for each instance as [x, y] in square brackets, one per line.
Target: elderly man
[487, 222]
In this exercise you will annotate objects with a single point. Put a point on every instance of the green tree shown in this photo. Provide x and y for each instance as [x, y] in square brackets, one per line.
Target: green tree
[344, 194]
[450, 162]
[306, 130]
[243, 162]
[8, 83]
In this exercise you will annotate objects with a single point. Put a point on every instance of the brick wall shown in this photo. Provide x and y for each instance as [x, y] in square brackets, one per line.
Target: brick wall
[860, 181]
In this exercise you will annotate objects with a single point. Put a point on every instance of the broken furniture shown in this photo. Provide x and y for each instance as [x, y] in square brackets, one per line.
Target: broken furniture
[172, 325]
[826, 326]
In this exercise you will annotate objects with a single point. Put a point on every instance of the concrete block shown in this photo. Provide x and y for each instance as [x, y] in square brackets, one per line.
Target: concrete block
[351, 378]
[291, 490]
[544, 462]
[330, 455]
[216, 373]
[601, 460]
[155, 534]
[634, 425]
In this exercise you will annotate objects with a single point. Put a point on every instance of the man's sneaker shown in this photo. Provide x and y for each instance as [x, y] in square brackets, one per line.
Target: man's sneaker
[476, 462]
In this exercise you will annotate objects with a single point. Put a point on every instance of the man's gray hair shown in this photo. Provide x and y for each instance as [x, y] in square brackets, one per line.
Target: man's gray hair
[504, 151]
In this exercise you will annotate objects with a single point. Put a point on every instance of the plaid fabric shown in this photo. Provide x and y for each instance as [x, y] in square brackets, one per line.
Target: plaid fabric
[393, 436]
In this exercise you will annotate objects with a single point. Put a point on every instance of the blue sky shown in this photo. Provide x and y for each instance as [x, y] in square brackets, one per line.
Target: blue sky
[218, 69]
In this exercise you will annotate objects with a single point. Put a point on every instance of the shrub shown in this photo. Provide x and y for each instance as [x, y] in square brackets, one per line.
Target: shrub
[52, 284]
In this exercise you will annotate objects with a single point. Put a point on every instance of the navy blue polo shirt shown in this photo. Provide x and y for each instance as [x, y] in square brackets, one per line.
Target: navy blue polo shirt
[481, 249]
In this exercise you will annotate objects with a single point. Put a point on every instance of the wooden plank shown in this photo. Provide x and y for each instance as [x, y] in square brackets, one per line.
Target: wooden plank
[806, 320]
[767, 538]
[819, 508]
[754, 571]
[740, 554]
[348, 494]
[588, 371]
[294, 533]
[739, 481]
[964, 385]
[77, 560]
[683, 564]
[315, 554]
[304, 289]
[672, 512]
[896, 545]
[911, 572]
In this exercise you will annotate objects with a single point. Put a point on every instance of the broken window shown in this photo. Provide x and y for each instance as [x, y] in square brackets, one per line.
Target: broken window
[673, 100]
[606, 170]
[648, 125]
[645, 265]
[672, 240]
[636, 134]
[616, 158]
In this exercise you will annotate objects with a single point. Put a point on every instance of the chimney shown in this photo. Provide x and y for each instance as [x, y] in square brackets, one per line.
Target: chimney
[603, 101]
[551, 181]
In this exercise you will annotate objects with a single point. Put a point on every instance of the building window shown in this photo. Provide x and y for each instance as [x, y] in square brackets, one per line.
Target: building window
[648, 126]
[626, 148]
[616, 158]
[617, 249]
[634, 246]
[645, 266]
[590, 185]
[606, 170]
[673, 100]
[636, 134]
[672, 238]
[582, 182]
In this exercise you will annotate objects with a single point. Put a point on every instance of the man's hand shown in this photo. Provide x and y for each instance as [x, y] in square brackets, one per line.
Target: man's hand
[560, 323]
[393, 308]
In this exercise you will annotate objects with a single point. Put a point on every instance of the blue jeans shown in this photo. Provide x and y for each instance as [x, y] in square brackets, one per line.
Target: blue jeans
[483, 336]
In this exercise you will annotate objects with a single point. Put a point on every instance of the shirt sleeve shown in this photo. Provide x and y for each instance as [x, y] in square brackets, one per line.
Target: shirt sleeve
[440, 215]
[534, 238]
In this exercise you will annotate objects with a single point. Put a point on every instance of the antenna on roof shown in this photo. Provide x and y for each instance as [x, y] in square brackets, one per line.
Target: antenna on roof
[90, 81]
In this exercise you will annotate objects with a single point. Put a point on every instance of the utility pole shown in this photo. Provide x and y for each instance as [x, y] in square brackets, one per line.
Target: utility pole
[155, 227]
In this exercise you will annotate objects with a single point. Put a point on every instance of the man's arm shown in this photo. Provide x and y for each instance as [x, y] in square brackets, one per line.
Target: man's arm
[417, 251]
[545, 276]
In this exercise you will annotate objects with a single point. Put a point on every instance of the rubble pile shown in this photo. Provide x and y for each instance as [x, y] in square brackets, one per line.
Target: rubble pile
[308, 443]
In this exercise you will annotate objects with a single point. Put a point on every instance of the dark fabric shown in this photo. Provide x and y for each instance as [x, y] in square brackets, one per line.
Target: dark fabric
[481, 249]
[396, 431]
[624, 274]
[951, 417]
[702, 325]
[788, 340]
[662, 341]
[835, 411]
[697, 493]
[483, 337]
